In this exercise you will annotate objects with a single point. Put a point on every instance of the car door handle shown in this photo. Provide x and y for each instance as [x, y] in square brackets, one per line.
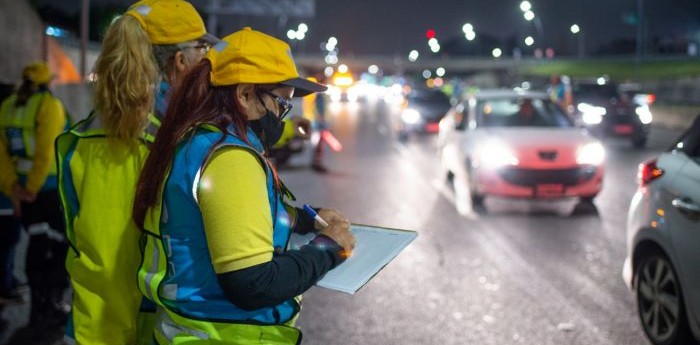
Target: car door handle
[686, 206]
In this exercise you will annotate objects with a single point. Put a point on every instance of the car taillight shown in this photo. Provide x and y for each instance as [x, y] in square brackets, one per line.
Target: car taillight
[648, 171]
[651, 98]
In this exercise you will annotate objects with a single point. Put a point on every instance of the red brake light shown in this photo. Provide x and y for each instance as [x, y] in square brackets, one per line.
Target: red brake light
[651, 98]
[648, 171]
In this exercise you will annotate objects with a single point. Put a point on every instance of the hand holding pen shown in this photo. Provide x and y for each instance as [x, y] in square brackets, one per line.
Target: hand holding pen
[332, 224]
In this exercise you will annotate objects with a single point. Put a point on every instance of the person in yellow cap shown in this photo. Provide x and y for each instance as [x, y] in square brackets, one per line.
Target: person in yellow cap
[217, 224]
[30, 121]
[100, 159]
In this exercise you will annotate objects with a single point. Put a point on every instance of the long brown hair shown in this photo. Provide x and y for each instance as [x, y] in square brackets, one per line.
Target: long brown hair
[126, 75]
[195, 102]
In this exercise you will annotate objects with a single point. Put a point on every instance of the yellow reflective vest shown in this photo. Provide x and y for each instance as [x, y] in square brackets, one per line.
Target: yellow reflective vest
[97, 181]
[27, 133]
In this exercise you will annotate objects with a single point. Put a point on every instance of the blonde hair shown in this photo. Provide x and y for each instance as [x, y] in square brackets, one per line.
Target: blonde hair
[127, 75]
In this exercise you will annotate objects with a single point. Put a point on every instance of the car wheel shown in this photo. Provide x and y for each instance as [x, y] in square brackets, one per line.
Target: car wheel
[638, 141]
[588, 199]
[660, 302]
[477, 199]
[449, 177]
[403, 136]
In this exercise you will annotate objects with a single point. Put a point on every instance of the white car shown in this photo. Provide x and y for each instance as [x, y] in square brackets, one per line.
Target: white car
[663, 243]
[518, 144]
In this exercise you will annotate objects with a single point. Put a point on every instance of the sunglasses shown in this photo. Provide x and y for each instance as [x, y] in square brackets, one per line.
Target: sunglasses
[284, 104]
[201, 46]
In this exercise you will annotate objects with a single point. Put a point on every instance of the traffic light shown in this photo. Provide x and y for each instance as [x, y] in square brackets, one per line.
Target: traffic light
[430, 33]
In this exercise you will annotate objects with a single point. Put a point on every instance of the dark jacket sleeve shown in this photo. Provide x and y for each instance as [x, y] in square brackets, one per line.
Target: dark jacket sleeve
[304, 222]
[288, 274]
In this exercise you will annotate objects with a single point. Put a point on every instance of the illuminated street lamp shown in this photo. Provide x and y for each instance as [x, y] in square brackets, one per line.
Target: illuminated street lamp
[575, 29]
[468, 30]
[496, 52]
[529, 41]
[434, 45]
[299, 33]
[525, 6]
[440, 72]
[413, 55]
[529, 15]
[330, 47]
[303, 28]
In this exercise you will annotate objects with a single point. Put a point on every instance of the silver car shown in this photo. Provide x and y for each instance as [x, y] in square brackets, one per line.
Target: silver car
[517, 144]
[663, 243]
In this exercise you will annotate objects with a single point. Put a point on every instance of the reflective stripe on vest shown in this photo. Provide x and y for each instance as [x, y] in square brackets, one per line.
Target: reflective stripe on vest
[171, 247]
[171, 330]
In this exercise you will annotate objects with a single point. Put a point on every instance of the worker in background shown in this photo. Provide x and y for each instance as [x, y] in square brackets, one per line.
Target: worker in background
[30, 121]
[9, 236]
[560, 92]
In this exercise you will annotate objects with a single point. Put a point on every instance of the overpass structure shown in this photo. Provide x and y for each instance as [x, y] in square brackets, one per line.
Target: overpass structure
[400, 65]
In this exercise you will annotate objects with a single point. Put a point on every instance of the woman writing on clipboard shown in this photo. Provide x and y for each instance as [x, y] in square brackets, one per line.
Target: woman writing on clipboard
[211, 205]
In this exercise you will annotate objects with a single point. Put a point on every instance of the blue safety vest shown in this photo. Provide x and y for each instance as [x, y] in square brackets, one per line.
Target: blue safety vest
[177, 272]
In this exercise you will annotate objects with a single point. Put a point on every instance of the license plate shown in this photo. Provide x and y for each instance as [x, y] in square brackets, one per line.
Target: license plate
[432, 127]
[549, 189]
[624, 129]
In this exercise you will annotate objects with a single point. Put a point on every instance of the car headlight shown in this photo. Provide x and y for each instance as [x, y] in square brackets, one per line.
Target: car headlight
[591, 115]
[644, 114]
[335, 93]
[410, 116]
[591, 154]
[495, 155]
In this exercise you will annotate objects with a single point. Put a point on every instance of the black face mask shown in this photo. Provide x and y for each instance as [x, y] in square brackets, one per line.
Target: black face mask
[269, 128]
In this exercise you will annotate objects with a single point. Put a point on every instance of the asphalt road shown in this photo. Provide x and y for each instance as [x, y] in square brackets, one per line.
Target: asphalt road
[522, 273]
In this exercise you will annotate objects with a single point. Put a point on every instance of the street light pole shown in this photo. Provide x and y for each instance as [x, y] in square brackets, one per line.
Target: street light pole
[540, 31]
[84, 32]
[526, 8]
[576, 30]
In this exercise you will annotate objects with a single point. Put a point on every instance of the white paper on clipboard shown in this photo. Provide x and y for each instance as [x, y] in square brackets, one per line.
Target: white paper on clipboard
[375, 247]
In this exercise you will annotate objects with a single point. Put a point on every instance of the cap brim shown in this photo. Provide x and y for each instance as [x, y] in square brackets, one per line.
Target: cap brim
[209, 38]
[303, 87]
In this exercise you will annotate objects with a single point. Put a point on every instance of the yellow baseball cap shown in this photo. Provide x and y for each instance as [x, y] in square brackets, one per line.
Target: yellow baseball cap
[170, 21]
[38, 72]
[249, 56]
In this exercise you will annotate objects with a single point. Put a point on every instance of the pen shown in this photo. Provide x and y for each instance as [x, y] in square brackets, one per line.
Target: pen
[313, 213]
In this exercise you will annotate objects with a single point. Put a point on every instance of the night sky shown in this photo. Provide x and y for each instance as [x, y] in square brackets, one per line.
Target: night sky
[398, 26]
[367, 27]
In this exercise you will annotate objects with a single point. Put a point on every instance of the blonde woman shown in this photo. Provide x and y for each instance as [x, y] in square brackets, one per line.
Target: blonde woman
[101, 157]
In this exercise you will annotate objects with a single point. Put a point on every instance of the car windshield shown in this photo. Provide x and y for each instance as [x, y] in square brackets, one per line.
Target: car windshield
[595, 91]
[428, 97]
[520, 112]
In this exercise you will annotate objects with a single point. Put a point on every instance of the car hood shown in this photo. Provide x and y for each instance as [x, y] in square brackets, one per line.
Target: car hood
[430, 110]
[533, 136]
[607, 102]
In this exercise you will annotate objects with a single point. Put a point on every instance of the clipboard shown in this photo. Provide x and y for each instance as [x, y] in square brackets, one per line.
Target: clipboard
[375, 247]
